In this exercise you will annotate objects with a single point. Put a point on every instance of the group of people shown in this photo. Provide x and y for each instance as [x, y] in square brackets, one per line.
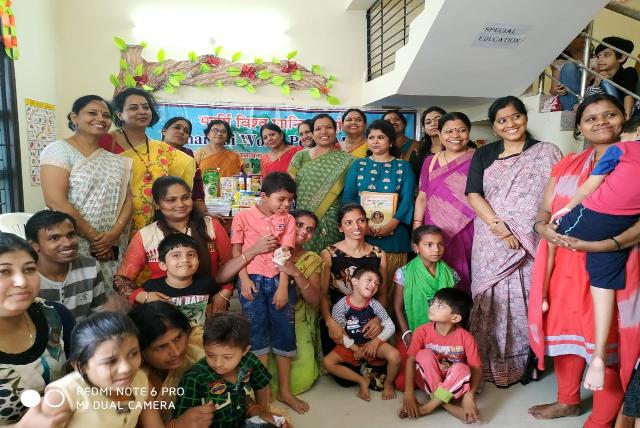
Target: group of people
[466, 279]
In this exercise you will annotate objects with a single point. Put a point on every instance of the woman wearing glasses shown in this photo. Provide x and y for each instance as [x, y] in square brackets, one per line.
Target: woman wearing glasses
[441, 200]
[215, 155]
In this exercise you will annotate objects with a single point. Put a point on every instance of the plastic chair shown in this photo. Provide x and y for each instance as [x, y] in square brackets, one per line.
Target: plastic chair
[14, 223]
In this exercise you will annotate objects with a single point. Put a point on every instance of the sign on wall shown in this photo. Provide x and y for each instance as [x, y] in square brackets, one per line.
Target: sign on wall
[500, 35]
[245, 122]
[41, 130]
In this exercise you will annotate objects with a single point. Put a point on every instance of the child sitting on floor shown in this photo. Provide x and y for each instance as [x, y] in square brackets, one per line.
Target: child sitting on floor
[226, 375]
[353, 312]
[605, 205]
[443, 358]
[190, 292]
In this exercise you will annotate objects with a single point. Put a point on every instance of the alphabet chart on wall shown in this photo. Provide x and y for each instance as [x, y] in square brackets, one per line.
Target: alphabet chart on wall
[41, 130]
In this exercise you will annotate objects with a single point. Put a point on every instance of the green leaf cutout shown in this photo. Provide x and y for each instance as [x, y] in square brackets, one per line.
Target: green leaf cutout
[139, 70]
[329, 84]
[158, 70]
[219, 83]
[264, 74]
[205, 68]
[275, 60]
[331, 78]
[123, 64]
[333, 100]
[292, 54]
[161, 55]
[114, 80]
[143, 45]
[250, 89]
[218, 50]
[296, 75]
[193, 57]
[315, 69]
[233, 71]
[148, 88]
[179, 75]
[121, 44]
[285, 90]
[315, 93]
[236, 56]
[241, 82]
[258, 61]
[278, 80]
[129, 81]
[169, 89]
[174, 81]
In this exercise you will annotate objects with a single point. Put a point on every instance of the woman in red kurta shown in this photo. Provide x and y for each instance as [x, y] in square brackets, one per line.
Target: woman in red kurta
[279, 158]
[566, 331]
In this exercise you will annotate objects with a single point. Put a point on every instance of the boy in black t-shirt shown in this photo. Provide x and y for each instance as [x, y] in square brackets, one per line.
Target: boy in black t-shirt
[191, 293]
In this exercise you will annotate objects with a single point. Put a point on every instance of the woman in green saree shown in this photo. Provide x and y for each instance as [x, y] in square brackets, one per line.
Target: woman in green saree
[305, 269]
[320, 173]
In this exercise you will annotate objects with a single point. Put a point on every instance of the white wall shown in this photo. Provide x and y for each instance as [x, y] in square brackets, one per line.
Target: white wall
[324, 33]
[36, 71]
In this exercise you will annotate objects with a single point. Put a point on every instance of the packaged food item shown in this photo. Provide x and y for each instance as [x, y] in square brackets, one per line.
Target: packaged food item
[211, 181]
[280, 256]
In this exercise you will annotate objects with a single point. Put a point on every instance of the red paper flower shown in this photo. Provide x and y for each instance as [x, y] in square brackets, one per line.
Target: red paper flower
[212, 60]
[146, 209]
[248, 71]
[147, 180]
[290, 67]
[147, 191]
[141, 80]
[324, 90]
[164, 161]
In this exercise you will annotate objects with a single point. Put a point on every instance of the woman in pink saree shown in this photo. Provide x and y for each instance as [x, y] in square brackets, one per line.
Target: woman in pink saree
[441, 200]
[505, 185]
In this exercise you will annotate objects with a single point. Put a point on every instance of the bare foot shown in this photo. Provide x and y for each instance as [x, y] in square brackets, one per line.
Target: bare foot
[594, 379]
[364, 390]
[554, 410]
[389, 392]
[428, 407]
[456, 411]
[294, 402]
[545, 305]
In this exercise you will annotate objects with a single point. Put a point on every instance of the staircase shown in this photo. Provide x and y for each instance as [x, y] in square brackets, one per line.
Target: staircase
[478, 50]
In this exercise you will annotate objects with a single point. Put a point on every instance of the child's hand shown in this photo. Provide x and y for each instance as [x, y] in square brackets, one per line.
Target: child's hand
[281, 297]
[371, 348]
[266, 244]
[373, 328]
[247, 289]
[410, 406]
[559, 213]
[151, 296]
[197, 417]
[470, 409]
[289, 268]
[358, 352]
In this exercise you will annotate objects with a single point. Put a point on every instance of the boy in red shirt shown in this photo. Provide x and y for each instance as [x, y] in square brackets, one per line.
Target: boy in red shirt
[443, 358]
[266, 296]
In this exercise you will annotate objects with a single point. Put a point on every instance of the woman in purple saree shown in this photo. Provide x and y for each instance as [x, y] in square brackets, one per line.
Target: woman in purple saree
[441, 199]
[505, 185]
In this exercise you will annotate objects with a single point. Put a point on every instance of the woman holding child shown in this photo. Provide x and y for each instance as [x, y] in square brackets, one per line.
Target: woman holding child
[441, 200]
[305, 269]
[505, 186]
[340, 261]
[319, 173]
[599, 118]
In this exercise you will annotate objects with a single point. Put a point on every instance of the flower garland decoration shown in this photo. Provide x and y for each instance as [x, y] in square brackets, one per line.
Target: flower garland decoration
[211, 70]
[9, 39]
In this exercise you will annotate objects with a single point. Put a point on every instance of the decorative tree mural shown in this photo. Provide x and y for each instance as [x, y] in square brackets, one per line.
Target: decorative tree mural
[213, 70]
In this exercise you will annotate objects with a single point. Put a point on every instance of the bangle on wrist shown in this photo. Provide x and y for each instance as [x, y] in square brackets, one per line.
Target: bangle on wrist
[145, 298]
[224, 297]
[306, 286]
[618, 246]
[535, 224]
[405, 334]
[244, 258]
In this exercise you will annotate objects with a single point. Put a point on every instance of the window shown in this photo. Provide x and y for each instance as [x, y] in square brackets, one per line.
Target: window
[10, 170]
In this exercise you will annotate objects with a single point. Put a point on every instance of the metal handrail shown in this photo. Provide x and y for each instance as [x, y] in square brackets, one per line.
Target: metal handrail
[558, 81]
[587, 69]
[624, 10]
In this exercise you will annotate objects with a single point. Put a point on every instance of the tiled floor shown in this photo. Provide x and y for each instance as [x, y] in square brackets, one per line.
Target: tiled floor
[334, 406]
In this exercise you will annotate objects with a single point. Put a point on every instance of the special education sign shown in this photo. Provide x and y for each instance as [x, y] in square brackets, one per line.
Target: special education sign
[497, 35]
[245, 122]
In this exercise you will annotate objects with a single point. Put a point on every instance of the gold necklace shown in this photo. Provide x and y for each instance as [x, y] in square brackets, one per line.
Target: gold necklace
[31, 339]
